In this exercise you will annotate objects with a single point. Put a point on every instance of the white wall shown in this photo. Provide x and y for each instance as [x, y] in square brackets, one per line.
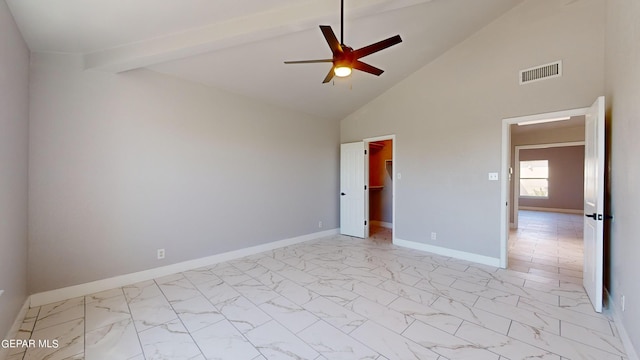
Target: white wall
[447, 117]
[14, 125]
[623, 94]
[121, 165]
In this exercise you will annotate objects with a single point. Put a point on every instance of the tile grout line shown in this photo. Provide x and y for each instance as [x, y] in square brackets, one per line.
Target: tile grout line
[133, 321]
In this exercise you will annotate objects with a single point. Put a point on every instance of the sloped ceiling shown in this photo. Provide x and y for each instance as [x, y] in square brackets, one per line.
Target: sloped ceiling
[240, 46]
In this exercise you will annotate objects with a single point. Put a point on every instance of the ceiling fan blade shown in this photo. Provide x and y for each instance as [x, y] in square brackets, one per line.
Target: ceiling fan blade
[309, 61]
[380, 45]
[367, 68]
[329, 76]
[331, 38]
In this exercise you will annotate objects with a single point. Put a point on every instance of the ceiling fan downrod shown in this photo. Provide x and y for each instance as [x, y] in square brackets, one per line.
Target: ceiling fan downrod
[342, 22]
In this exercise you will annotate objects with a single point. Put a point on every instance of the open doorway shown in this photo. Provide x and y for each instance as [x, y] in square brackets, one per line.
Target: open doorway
[531, 133]
[355, 192]
[593, 207]
[548, 197]
[381, 189]
[546, 192]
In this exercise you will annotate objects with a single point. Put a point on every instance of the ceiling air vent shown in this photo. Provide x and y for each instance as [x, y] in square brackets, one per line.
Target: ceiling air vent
[542, 72]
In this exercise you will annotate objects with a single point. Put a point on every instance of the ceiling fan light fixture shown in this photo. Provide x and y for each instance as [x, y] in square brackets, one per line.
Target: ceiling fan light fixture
[345, 59]
[342, 70]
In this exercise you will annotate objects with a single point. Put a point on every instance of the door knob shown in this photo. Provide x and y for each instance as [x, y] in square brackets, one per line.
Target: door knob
[343, 194]
[591, 216]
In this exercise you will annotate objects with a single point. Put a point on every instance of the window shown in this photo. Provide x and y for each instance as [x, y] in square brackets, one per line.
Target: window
[534, 179]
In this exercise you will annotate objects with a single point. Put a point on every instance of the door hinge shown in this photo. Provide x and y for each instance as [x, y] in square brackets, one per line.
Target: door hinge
[365, 187]
[365, 222]
[365, 152]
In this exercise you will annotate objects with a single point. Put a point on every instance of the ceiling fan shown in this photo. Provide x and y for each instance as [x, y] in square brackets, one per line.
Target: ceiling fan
[345, 59]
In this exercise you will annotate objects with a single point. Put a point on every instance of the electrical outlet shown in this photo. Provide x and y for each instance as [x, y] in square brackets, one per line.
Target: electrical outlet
[320, 224]
[1, 292]
[160, 254]
[622, 301]
[433, 236]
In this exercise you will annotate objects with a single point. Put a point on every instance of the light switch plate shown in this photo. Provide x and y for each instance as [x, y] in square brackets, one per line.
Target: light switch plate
[1, 291]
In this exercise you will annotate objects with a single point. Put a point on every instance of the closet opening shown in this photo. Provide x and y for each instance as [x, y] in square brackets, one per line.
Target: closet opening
[380, 209]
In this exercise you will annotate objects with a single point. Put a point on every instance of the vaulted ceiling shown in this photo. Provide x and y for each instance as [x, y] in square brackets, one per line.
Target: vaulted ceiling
[240, 46]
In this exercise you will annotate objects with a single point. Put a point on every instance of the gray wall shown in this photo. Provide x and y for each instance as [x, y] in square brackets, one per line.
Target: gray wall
[623, 92]
[14, 125]
[566, 177]
[121, 165]
[447, 117]
[539, 135]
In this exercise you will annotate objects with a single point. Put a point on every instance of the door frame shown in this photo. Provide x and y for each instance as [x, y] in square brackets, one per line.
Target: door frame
[506, 165]
[391, 137]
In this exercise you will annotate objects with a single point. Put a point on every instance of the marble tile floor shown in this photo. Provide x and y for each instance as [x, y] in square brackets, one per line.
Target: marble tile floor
[334, 298]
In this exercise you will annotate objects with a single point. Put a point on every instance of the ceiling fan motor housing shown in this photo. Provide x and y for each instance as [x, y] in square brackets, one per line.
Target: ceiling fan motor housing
[344, 58]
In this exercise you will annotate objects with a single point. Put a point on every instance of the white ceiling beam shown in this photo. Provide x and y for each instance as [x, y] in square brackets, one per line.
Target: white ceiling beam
[234, 32]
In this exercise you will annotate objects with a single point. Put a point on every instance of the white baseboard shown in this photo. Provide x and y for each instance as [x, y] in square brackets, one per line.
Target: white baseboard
[383, 224]
[616, 312]
[70, 292]
[480, 259]
[15, 328]
[556, 210]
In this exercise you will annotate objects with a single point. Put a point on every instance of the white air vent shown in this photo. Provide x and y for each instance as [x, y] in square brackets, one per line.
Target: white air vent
[542, 72]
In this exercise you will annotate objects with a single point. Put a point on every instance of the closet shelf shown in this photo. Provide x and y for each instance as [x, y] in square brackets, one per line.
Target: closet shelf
[375, 147]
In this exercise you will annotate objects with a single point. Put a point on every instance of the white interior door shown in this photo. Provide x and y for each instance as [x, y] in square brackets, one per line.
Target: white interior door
[594, 203]
[352, 189]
